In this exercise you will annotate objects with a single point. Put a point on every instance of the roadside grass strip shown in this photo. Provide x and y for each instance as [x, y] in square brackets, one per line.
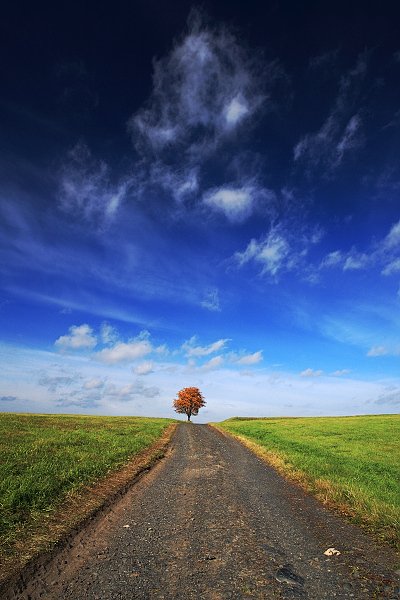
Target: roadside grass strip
[349, 463]
[49, 462]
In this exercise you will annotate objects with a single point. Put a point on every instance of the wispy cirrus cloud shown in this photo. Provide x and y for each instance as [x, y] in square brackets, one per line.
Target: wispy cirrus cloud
[280, 250]
[383, 254]
[391, 347]
[207, 88]
[192, 350]
[392, 240]
[332, 259]
[341, 132]
[86, 189]
[181, 183]
[356, 261]
[211, 301]
[205, 91]
[392, 267]
[272, 252]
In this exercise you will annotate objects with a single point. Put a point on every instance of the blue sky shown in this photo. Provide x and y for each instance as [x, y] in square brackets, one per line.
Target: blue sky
[200, 198]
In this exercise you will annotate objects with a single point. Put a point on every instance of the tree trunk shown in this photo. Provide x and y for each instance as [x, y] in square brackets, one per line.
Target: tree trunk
[188, 416]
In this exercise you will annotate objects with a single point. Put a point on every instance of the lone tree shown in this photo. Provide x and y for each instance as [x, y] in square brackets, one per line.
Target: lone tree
[189, 402]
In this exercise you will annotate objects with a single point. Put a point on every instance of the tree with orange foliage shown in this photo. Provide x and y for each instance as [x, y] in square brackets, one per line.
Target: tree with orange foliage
[189, 401]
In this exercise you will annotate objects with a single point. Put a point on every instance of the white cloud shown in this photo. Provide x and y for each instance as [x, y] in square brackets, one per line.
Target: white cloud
[144, 368]
[213, 363]
[311, 373]
[284, 248]
[86, 189]
[250, 359]
[341, 372]
[227, 392]
[341, 131]
[349, 138]
[235, 111]
[391, 398]
[163, 349]
[332, 259]
[329, 145]
[182, 183]
[125, 352]
[235, 203]
[377, 351]
[392, 267]
[109, 334]
[94, 384]
[191, 350]
[383, 253]
[62, 379]
[356, 261]
[272, 252]
[211, 301]
[392, 240]
[80, 337]
[350, 261]
[129, 391]
[202, 91]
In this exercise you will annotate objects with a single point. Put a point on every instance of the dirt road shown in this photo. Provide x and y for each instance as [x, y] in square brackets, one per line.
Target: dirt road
[212, 521]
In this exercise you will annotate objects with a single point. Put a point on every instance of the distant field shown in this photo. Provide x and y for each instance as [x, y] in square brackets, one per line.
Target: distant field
[46, 459]
[352, 463]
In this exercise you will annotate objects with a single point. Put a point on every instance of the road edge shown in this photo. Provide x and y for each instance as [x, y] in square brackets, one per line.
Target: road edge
[301, 479]
[73, 515]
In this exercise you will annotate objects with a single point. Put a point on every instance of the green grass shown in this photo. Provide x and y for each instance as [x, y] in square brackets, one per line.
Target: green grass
[352, 463]
[46, 459]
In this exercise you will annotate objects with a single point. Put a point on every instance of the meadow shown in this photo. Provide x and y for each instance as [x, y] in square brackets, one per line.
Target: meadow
[349, 463]
[46, 460]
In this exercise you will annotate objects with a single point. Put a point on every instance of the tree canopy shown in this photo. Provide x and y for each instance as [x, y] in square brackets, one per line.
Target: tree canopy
[189, 401]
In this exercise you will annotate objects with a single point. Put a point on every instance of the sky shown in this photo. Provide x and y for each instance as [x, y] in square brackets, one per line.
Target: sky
[200, 195]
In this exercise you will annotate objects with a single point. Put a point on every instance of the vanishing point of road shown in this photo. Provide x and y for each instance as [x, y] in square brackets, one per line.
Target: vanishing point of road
[213, 521]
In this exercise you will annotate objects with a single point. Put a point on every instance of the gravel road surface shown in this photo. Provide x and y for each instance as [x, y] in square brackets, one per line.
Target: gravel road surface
[213, 521]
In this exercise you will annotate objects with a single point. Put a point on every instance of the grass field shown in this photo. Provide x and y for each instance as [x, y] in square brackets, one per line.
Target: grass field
[352, 463]
[46, 459]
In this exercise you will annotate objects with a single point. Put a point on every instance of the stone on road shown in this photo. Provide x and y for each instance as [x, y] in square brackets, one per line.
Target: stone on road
[212, 521]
